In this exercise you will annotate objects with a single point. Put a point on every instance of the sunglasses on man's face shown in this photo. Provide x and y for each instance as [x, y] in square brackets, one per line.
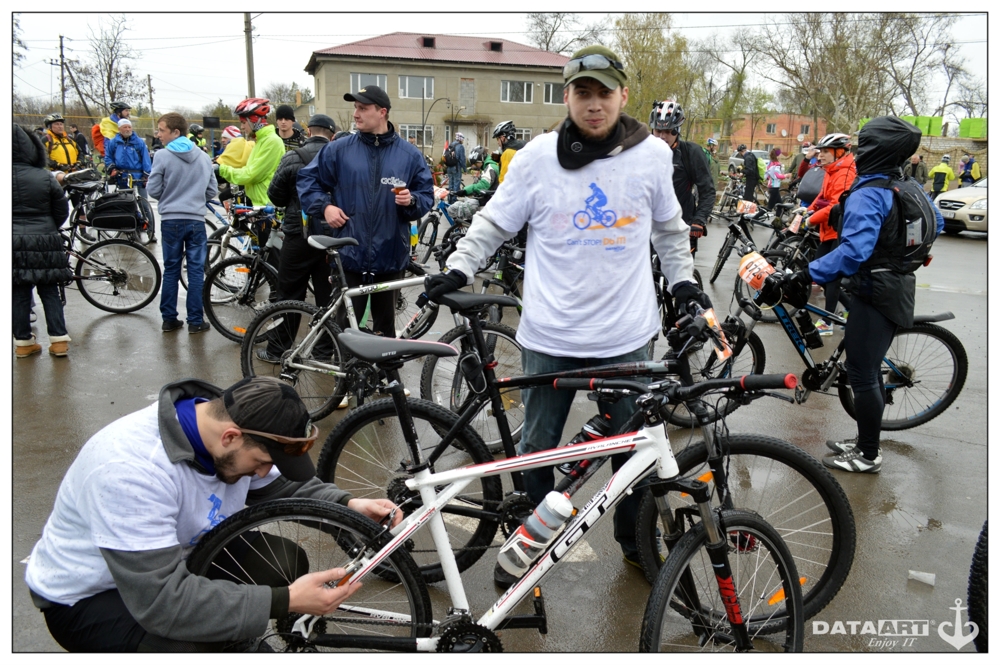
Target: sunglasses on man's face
[590, 63]
[293, 446]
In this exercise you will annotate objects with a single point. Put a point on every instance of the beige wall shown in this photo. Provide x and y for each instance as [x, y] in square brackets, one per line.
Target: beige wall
[332, 80]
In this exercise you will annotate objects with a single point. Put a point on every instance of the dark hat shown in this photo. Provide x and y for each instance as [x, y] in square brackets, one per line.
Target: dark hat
[609, 72]
[285, 112]
[266, 404]
[324, 121]
[370, 94]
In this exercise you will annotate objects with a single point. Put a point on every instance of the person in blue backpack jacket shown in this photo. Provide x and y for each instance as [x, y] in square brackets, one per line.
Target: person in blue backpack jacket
[370, 186]
[127, 154]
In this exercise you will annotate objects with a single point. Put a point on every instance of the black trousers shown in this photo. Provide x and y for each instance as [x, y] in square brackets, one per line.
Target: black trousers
[383, 307]
[102, 623]
[832, 289]
[298, 264]
[867, 337]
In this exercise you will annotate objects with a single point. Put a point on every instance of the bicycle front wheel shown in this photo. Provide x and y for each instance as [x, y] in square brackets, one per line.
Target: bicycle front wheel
[235, 291]
[724, 252]
[791, 490]
[276, 542]
[978, 590]
[923, 371]
[427, 237]
[365, 455]
[441, 381]
[118, 276]
[276, 344]
[685, 611]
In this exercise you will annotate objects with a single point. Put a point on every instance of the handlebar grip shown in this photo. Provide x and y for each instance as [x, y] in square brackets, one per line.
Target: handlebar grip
[577, 384]
[769, 382]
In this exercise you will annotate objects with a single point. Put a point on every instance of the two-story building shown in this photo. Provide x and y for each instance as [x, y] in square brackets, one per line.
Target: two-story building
[442, 84]
[762, 131]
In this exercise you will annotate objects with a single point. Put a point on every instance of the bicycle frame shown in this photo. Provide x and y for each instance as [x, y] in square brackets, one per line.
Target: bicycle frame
[651, 448]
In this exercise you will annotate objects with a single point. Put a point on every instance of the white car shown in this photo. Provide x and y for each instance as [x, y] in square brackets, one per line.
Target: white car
[964, 209]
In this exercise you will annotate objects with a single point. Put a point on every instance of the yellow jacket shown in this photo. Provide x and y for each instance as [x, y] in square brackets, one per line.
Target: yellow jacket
[236, 154]
[61, 149]
[949, 175]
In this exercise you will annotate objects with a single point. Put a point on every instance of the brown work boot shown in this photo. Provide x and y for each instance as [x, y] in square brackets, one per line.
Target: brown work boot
[59, 346]
[25, 348]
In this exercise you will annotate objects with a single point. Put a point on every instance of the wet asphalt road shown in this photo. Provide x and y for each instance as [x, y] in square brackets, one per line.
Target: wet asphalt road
[923, 512]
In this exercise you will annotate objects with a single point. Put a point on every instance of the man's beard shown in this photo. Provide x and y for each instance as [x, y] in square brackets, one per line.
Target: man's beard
[594, 135]
[224, 469]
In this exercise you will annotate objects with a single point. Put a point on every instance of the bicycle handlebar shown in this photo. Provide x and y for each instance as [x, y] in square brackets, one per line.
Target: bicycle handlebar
[267, 210]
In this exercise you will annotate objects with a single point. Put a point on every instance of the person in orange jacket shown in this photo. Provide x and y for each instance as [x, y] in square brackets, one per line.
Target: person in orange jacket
[838, 162]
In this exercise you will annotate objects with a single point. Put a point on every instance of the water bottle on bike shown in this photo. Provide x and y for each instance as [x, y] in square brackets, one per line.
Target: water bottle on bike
[531, 538]
[597, 427]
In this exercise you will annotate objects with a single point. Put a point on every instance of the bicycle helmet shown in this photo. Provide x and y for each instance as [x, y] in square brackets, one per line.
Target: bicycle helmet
[944, 158]
[505, 129]
[254, 110]
[711, 141]
[195, 128]
[834, 141]
[117, 107]
[52, 117]
[477, 155]
[666, 116]
[741, 147]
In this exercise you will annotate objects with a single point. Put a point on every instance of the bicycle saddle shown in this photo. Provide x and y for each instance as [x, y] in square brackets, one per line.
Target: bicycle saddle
[375, 349]
[326, 242]
[465, 301]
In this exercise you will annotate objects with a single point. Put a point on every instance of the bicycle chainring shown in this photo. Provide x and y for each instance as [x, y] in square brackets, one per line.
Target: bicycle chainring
[814, 377]
[402, 496]
[362, 377]
[468, 637]
[514, 509]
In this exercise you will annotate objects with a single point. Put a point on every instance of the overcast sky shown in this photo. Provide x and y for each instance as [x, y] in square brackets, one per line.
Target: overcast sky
[194, 59]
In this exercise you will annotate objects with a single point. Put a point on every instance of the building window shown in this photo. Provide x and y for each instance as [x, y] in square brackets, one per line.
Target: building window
[522, 135]
[768, 147]
[516, 91]
[772, 128]
[410, 87]
[424, 137]
[359, 81]
[553, 93]
[805, 129]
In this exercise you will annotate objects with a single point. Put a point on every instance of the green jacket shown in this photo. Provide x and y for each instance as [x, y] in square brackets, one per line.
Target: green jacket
[260, 168]
[487, 178]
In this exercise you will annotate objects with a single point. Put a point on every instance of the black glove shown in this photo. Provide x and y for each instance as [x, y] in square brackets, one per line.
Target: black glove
[797, 288]
[698, 229]
[441, 284]
[770, 292]
[687, 293]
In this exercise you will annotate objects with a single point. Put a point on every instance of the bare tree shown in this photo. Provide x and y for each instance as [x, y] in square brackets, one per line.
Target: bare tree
[914, 47]
[563, 32]
[281, 93]
[642, 43]
[19, 46]
[972, 97]
[108, 76]
[736, 85]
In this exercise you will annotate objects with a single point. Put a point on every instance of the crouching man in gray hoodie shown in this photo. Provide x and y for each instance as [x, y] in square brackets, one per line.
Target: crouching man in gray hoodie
[181, 181]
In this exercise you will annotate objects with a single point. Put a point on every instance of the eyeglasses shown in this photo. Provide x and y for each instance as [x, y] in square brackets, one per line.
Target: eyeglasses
[293, 446]
[588, 63]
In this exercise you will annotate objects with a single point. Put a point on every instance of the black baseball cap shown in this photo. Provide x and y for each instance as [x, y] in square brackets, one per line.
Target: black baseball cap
[370, 94]
[324, 121]
[267, 405]
[284, 112]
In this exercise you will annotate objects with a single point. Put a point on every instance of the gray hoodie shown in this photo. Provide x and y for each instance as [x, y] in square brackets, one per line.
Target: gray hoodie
[182, 181]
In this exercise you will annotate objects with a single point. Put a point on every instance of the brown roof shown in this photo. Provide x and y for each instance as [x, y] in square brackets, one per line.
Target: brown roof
[447, 48]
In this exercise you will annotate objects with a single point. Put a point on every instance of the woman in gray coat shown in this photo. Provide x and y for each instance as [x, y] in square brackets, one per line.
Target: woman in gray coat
[40, 262]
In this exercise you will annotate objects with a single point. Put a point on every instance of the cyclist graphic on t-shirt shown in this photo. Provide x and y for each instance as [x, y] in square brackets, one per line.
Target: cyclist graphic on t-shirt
[214, 517]
[594, 212]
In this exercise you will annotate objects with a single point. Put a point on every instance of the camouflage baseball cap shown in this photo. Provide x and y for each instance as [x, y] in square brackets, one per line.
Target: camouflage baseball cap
[599, 63]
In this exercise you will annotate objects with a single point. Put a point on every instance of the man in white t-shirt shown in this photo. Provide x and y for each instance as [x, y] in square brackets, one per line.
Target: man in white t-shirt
[595, 194]
[109, 572]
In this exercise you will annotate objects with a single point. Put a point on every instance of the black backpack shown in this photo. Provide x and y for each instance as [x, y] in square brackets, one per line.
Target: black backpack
[450, 158]
[904, 242]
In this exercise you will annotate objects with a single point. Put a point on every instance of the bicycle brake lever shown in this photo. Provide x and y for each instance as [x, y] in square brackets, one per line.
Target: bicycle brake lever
[788, 399]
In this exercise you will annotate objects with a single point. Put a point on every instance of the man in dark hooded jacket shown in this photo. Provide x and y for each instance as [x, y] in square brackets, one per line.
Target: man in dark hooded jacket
[593, 205]
[882, 297]
[39, 207]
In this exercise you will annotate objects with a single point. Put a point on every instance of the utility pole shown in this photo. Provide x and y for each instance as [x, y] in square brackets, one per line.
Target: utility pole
[149, 86]
[248, 33]
[78, 93]
[62, 75]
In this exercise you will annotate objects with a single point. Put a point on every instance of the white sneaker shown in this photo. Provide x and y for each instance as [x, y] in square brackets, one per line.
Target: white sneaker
[344, 403]
[406, 392]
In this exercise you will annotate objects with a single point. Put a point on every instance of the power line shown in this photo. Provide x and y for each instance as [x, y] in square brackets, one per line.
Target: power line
[47, 94]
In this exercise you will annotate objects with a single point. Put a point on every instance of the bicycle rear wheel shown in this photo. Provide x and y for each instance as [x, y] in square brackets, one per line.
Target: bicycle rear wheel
[929, 358]
[685, 611]
[275, 543]
[365, 455]
[789, 488]
[118, 276]
[274, 345]
[441, 381]
[235, 291]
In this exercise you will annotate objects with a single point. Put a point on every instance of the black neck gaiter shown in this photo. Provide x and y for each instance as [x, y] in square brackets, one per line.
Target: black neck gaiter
[575, 151]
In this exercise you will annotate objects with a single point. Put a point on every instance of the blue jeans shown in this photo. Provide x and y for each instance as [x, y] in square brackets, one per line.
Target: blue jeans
[55, 321]
[454, 179]
[183, 238]
[545, 413]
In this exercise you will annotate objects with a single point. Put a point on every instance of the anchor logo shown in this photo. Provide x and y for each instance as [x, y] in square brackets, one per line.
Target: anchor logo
[957, 639]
